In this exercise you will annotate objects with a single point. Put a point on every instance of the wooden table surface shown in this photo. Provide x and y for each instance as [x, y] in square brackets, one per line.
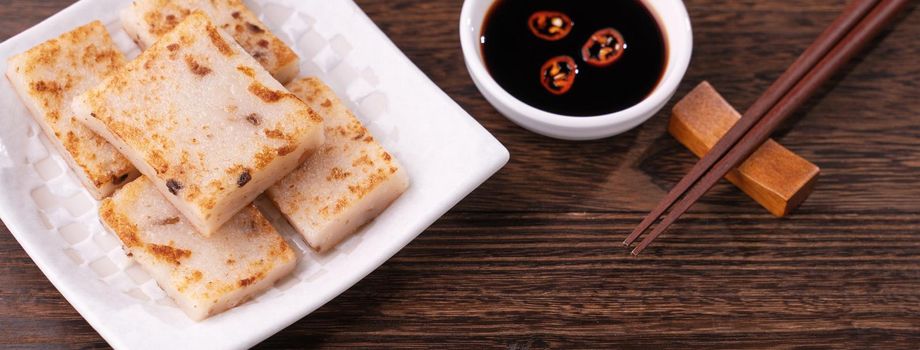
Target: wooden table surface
[532, 259]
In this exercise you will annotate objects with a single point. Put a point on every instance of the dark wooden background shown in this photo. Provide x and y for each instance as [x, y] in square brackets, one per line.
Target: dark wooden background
[533, 259]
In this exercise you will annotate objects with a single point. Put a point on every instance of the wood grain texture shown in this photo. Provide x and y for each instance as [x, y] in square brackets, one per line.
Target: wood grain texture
[532, 259]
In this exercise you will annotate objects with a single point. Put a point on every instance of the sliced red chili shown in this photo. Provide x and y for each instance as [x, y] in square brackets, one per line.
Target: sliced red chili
[603, 48]
[558, 74]
[550, 25]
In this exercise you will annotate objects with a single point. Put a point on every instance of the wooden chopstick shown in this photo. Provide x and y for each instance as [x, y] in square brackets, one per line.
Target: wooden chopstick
[845, 49]
[851, 15]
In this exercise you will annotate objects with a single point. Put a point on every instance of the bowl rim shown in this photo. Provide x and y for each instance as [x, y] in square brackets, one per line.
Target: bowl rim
[679, 54]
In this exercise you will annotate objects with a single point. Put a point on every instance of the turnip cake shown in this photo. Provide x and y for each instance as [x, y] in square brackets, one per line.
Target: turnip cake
[345, 184]
[203, 275]
[200, 118]
[48, 76]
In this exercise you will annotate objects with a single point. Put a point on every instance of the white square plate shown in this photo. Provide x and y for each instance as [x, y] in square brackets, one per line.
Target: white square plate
[446, 152]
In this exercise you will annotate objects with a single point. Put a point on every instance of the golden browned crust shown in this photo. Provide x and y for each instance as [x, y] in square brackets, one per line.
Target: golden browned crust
[264, 157]
[195, 67]
[123, 227]
[337, 174]
[251, 279]
[286, 149]
[219, 42]
[266, 94]
[247, 70]
[168, 253]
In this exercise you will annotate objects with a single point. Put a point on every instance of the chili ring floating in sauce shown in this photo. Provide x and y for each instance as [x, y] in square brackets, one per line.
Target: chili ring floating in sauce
[550, 25]
[558, 74]
[603, 48]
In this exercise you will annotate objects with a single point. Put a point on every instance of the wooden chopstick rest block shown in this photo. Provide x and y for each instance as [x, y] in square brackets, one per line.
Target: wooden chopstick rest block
[773, 176]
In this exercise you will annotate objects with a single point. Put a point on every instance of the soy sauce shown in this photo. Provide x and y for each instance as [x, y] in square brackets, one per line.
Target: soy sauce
[514, 55]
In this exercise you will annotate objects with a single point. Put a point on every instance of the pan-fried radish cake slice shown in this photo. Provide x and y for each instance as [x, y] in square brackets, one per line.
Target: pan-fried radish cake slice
[204, 275]
[48, 76]
[200, 118]
[345, 184]
[148, 20]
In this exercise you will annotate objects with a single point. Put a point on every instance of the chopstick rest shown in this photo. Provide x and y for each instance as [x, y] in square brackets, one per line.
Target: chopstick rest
[775, 177]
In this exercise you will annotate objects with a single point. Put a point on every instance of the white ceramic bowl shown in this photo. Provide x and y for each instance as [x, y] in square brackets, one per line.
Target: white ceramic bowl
[675, 22]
